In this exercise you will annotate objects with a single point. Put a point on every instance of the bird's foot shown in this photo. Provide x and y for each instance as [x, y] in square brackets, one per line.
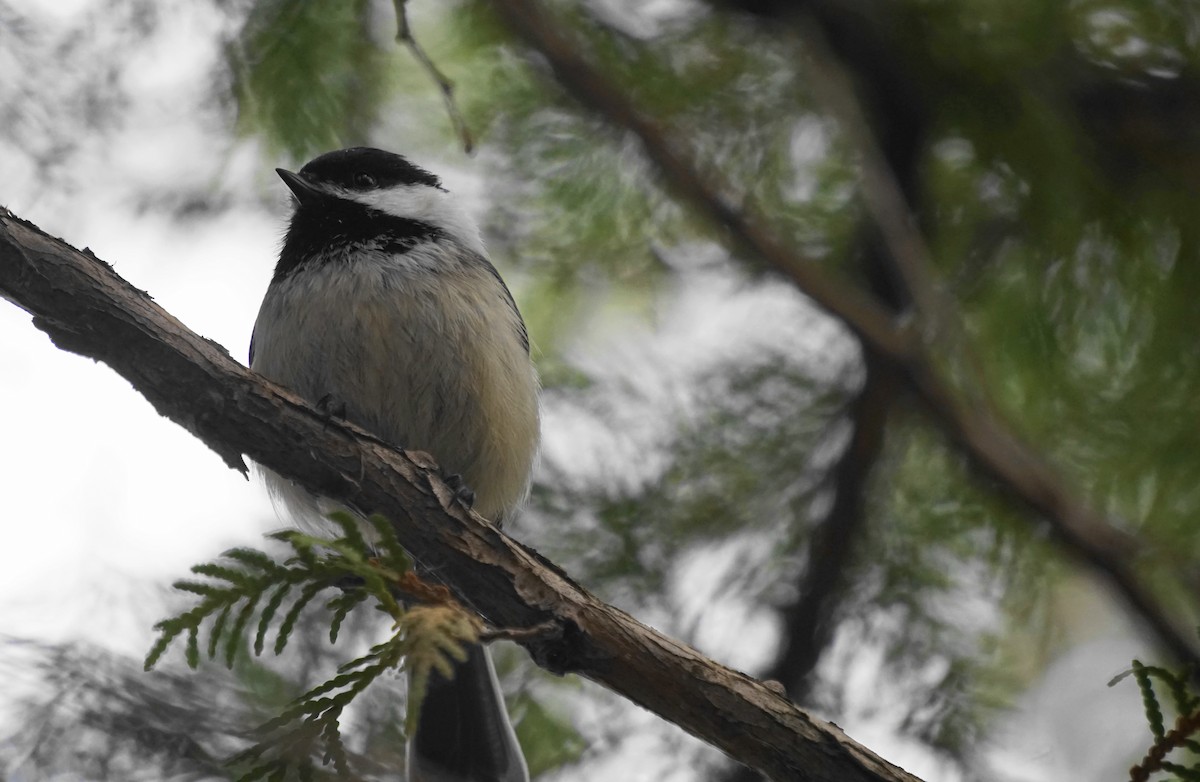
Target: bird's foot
[331, 406]
[460, 489]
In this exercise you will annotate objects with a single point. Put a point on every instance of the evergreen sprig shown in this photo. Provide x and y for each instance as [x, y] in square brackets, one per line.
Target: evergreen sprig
[246, 588]
[1185, 702]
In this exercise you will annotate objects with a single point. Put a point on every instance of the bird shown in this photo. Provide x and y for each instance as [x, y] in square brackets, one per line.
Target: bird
[385, 308]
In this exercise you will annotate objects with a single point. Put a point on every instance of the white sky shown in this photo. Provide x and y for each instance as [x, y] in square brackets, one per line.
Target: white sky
[103, 498]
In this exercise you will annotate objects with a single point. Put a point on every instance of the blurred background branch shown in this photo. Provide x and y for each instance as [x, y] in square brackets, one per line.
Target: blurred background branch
[997, 451]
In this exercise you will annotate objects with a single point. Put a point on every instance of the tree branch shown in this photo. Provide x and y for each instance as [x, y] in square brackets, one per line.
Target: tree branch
[807, 621]
[87, 309]
[991, 445]
[405, 36]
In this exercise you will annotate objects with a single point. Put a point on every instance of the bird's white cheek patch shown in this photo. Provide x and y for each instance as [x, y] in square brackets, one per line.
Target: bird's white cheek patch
[427, 204]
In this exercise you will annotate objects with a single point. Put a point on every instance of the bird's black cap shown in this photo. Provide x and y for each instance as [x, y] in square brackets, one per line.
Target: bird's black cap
[360, 168]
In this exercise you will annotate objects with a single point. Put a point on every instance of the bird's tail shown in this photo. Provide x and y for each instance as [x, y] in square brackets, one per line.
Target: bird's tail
[463, 732]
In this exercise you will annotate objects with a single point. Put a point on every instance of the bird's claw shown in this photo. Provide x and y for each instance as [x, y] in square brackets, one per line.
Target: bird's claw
[331, 406]
[460, 489]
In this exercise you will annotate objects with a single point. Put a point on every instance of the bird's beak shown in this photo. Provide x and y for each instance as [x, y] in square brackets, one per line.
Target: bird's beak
[304, 192]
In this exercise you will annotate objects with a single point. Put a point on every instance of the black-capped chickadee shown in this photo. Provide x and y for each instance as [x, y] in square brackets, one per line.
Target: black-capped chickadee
[384, 305]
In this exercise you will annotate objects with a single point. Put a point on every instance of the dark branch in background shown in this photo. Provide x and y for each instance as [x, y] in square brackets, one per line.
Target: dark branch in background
[898, 282]
[860, 79]
[1149, 124]
[87, 309]
[990, 444]
[808, 624]
[900, 118]
[445, 86]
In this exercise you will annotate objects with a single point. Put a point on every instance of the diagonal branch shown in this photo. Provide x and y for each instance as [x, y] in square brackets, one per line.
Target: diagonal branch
[990, 443]
[87, 309]
[863, 315]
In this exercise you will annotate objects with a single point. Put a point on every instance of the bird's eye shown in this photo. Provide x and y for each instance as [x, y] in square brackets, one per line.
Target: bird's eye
[364, 180]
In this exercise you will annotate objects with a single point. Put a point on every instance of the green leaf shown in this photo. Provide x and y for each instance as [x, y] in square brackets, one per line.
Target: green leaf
[254, 559]
[397, 557]
[341, 607]
[160, 645]
[268, 613]
[218, 627]
[289, 621]
[192, 650]
[351, 534]
[233, 639]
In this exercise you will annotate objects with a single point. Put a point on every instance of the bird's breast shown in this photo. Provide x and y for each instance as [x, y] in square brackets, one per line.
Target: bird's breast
[429, 358]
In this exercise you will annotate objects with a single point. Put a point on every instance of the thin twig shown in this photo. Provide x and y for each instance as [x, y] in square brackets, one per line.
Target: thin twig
[539, 632]
[404, 35]
[991, 445]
